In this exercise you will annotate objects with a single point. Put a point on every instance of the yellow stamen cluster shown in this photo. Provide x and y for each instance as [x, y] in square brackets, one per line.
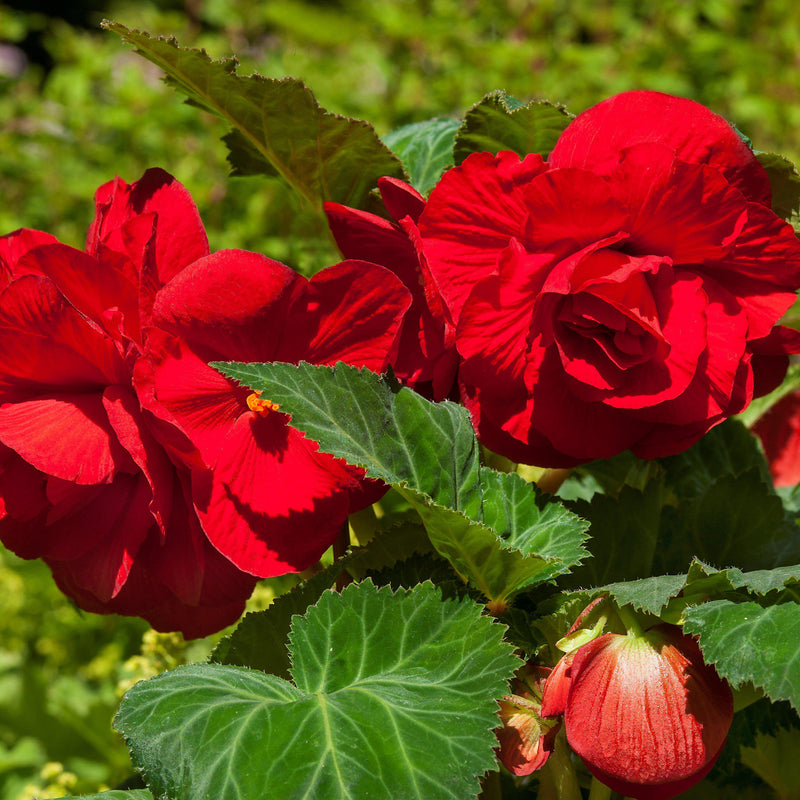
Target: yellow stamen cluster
[261, 406]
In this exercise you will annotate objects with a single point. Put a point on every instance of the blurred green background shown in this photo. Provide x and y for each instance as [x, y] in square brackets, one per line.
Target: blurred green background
[78, 107]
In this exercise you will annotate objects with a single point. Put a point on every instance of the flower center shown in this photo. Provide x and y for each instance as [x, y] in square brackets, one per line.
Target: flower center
[259, 405]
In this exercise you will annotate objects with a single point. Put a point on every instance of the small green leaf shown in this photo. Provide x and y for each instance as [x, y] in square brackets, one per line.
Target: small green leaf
[491, 526]
[499, 122]
[648, 594]
[278, 128]
[763, 581]
[421, 670]
[425, 148]
[747, 642]
[785, 182]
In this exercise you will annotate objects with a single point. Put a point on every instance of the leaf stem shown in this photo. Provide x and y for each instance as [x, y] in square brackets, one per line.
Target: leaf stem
[599, 791]
[628, 618]
[340, 547]
[562, 773]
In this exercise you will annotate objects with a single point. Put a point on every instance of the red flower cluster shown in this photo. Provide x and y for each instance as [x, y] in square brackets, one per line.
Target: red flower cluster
[621, 295]
[150, 484]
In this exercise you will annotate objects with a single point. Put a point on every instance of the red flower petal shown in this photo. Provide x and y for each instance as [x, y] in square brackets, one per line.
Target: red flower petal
[779, 432]
[595, 138]
[65, 435]
[90, 286]
[763, 270]
[367, 237]
[198, 398]
[13, 247]
[231, 305]
[471, 215]
[401, 199]
[495, 322]
[665, 194]
[271, 505]
[46, 342]
[121, 512]
[576, 428]
[771, 358]
[569, 209]
[180, 235]
[350, 312]
[131, 430]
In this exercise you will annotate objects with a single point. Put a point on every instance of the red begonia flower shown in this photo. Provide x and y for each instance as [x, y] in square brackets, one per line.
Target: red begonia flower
[86, 482]
[622, 295]
[644, 712]
[779, 432]
[426, 360]
[267, 499]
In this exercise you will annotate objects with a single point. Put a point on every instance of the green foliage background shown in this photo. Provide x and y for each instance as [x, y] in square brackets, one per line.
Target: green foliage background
[101, 110]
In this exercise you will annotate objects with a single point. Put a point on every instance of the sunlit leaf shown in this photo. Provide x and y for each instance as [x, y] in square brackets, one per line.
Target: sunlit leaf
[747, 642]
[259, 640]
[425, 148]
[421, 670]
[277, 126]
[495, 530]
[499, 122]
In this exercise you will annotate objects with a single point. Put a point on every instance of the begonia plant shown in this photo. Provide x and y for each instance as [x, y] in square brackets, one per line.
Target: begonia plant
[510, 444]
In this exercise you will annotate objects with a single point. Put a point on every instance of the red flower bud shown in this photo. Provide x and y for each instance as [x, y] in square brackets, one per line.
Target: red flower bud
[526, 740]
[644, 712]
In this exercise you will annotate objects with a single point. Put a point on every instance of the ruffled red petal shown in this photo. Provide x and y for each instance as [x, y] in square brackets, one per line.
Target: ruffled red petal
[470, 217]
[595, 138]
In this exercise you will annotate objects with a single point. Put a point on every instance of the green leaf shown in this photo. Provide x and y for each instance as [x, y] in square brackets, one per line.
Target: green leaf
[762, 582]
[499, 122]
[609, 476]
[625, 534]
[785, 182]
[727, 449]
[739, 521]
[425, 148]
[747, 642]
[259, 640]
[491, 526]
[648, 594]
[278, 128]
[115, 794]
[422, 671]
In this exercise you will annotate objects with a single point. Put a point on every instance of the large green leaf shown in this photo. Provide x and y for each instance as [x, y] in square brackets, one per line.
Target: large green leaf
[259, 640]
[422, 671]
[625, 534]
[747, 642]
[277, 126]
[425, 148]
[492, 526]
[499, 122]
